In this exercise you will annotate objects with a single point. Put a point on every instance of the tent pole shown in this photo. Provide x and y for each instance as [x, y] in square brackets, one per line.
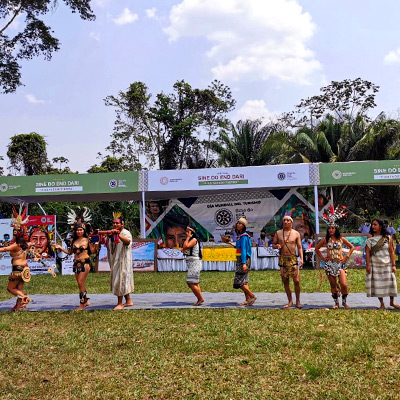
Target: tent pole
[143, 220]
[316, 209]
[56, 234]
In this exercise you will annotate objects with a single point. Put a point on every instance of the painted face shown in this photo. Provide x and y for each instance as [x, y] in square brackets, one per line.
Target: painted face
[39, 240]
[154, 209]
[301, 226]
[175, 237]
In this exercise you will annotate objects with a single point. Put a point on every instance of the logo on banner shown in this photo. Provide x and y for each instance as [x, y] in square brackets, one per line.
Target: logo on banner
[113, 183]
[164, 180]
[3, 187]
[281, 176]
[336, 174]
[223, 217]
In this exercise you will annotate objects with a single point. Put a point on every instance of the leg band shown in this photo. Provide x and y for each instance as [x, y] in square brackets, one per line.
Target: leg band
[83, 297]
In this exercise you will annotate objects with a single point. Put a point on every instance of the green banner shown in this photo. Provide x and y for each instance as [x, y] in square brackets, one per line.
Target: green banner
[42, 185]
[360, 173]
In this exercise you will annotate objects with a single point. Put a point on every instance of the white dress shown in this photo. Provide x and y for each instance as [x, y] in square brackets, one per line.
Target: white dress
[381, 282]
[120, 260]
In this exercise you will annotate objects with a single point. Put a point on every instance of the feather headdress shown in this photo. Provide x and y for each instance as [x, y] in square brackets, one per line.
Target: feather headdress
[19, 218]
[81, 215]
[332, 215]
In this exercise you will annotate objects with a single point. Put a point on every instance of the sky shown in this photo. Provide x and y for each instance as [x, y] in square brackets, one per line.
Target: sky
[271, 53]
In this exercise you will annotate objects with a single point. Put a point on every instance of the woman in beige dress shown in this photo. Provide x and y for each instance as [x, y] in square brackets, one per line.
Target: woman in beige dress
[380, 259]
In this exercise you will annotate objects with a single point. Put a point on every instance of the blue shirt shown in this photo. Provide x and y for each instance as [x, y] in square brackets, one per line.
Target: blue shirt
[243, 246]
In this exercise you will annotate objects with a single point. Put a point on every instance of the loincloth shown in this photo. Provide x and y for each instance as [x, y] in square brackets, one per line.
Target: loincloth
[289, 264]
[79, 266]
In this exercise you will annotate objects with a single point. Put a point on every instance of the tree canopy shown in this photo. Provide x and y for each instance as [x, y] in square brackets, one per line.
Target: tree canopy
[167, 130]
[35, 39]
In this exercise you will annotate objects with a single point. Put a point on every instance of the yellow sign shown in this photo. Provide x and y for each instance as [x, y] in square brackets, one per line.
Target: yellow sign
[219, 254]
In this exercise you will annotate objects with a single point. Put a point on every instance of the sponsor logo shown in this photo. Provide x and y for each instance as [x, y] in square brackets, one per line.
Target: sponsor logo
[43, 220]
[3, 187]
[281, 176]
[336, 174]
[223, 217]
[113, 183]
[164, 180]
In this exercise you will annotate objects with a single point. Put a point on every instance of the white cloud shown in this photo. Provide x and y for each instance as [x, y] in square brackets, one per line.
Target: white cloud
[95, 36]
[101, 3]
[126, 17]
[393, 57]
[151, 13]
[32, 99]
[254, 109]
[256, 39]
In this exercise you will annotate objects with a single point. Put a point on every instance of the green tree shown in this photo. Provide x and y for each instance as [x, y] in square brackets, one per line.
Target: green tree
[34, 39]
[28, 153]
[243, 144]
[168, 129]
[110, 164]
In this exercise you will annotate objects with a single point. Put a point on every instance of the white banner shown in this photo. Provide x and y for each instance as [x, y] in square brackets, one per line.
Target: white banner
[268, 176]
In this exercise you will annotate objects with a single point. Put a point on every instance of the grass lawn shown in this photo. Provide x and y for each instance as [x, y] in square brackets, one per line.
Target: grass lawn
[198, 354]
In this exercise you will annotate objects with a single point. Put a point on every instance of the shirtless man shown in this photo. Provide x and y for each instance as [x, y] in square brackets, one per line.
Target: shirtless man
[286, 240]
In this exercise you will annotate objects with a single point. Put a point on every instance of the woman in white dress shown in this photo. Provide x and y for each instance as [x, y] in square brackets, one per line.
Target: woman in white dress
[191, 248]
[380, 259]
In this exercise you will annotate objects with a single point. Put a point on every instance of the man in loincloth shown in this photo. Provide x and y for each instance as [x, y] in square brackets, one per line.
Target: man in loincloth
[287, 240]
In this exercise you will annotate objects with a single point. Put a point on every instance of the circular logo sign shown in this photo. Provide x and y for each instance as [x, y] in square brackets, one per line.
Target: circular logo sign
[43, 220]
[281, 176]
[3, 187]
[336, 174]
[164, 180]
[223, 217]
[113, 183]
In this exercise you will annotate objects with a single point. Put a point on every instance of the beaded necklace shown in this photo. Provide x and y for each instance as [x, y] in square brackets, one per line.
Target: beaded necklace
[287, 239]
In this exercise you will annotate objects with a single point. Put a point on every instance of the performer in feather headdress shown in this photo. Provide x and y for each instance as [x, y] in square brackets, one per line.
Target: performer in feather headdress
[81, 247]
[119, 251]
[335, 263]
[20, 270]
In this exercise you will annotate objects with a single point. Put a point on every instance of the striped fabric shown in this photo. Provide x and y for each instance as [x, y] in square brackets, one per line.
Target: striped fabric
[381, 282]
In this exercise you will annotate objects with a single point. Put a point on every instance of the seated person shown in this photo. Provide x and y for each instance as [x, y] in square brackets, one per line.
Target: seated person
[261, 241]
[271, 241]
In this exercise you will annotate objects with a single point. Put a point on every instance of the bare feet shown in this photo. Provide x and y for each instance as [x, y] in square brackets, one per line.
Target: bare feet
[83, 306]
[346, 307]
[299, 305]
[288, 305]
[394, 305]
[129, 304]
[336, 306]
[199, 302]
[243, 304]
[382, 307]
[251, 301]
[118, 307]
[26, 300]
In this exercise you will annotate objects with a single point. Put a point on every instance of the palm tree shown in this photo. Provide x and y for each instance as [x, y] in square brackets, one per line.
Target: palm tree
[336, 141]
[243, 144]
